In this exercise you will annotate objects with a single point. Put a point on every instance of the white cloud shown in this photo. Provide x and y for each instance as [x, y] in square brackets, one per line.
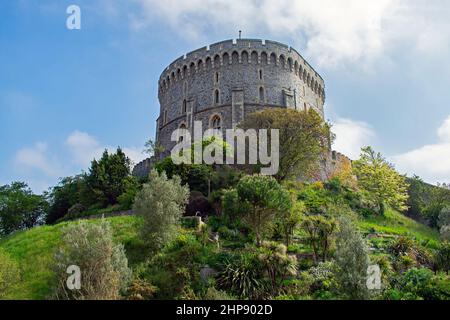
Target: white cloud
[330, 32]
[83, 148]
[351, 136]
[37, 158]
[430, 162]
[41, 166]
[444, 130]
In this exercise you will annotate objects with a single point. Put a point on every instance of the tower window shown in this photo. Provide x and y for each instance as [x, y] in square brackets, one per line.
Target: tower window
[216, 122]
[217, 77]
[181, 137]
[165, 117]
[260, 75]
[184, 108]
[216, 97]
[261, 95]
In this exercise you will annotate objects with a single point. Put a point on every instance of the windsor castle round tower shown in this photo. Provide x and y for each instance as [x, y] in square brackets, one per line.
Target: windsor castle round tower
[221, 84]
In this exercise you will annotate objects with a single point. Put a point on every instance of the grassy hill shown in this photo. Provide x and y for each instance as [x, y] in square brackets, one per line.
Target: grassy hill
[34, 249]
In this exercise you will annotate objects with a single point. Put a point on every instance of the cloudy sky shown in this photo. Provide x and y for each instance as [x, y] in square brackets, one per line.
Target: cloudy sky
[66, 95]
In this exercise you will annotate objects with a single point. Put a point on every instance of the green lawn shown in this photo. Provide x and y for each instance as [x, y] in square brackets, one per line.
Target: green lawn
[395, 223]
[34, 250]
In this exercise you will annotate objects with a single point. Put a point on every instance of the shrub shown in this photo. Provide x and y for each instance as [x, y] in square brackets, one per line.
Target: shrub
[420, 284]
[76, 209]
[103, 264]
[176, 269]
[214, 294]
[9, 273]
[321, 278]
[199, 206]
[243, 277]
[406, 254]
[442, 258]
[161, 203]
[141, 290]
[352, 260]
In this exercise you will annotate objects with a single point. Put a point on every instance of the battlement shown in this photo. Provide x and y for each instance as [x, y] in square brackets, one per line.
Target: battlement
[252, 51]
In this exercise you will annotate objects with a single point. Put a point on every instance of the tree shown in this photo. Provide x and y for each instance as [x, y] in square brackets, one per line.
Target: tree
[107, 177]
[439, 199]
[290, 220]
[381, 183]
[304, 139]
[319, 230]
[444, 223]
[277, 264]
[197, 176]
[70, 192]
[161, 203]
[352, 260]
[102, 263]
[152, 148]
[20, 208]
[261, 198]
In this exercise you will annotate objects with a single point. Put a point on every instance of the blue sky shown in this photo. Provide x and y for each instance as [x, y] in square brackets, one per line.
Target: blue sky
[65, 95]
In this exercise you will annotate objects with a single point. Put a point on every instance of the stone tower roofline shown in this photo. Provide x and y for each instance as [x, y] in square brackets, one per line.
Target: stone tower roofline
[280, 54]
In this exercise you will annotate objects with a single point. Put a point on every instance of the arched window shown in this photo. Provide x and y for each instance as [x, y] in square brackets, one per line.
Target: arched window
[262, 95]
[235, 57]
[254, 57]
[273, 59]
[244, 57]
[260, 74]
[184, 108]
[263, 58]
[216, 122]
[216, 61]
[192, 69]
[216, 97]
[226, 58]
[181, 136]
[217, 77]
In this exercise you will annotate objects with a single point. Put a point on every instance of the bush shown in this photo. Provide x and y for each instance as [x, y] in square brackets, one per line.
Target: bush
[176, 269]
[352, 260]
[9, 273]
[442, 258]
[103, 264]
[201, 206]
[420, 284]
[214, 294]
[242, 276]
[321, 278]
[161, 203]
[141, 290]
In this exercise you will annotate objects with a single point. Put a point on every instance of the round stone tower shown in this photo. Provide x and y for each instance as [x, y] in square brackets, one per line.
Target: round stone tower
[222, 83]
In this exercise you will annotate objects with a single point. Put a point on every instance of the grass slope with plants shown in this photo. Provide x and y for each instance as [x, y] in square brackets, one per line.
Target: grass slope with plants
[34, 249]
